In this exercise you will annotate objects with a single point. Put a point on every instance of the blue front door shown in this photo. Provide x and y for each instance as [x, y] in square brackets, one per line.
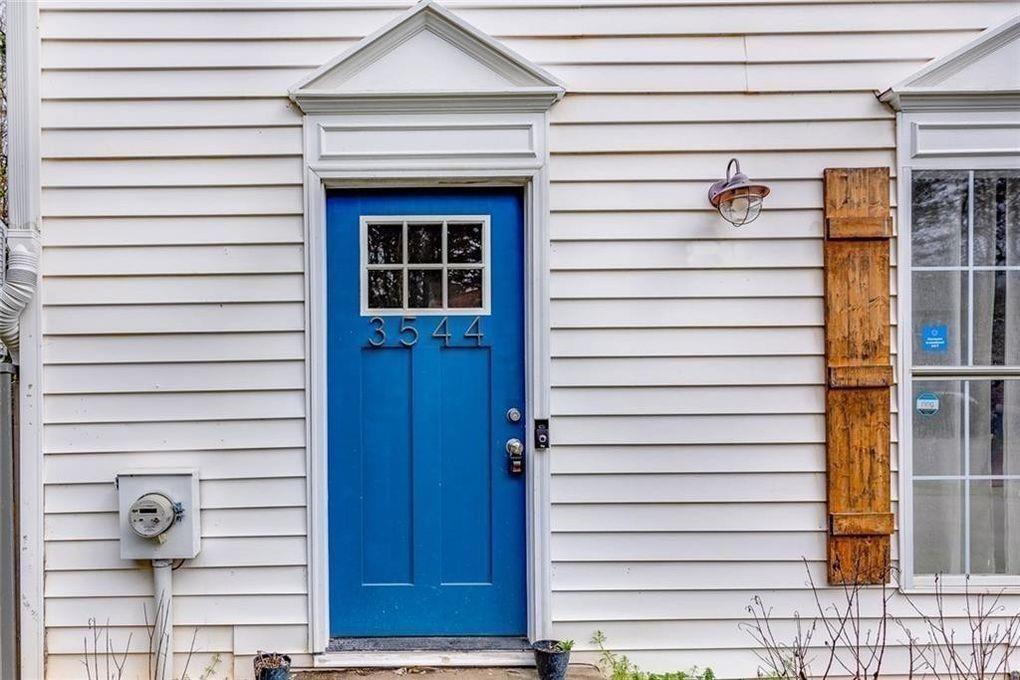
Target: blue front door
[425, 329]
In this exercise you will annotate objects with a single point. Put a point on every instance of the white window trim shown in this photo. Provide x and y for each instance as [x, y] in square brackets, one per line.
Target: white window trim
[909, 159]
[485, 265]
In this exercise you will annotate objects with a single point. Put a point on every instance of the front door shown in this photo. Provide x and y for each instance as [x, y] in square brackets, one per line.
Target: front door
[425, 347]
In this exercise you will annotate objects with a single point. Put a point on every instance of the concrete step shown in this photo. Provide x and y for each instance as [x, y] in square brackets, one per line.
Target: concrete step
[575, 672]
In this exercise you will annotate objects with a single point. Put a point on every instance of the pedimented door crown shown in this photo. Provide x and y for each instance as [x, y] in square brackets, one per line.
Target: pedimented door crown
[427, 60]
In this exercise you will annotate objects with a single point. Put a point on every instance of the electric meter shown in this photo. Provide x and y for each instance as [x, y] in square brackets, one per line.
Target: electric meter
[159, 514]
[152, 515]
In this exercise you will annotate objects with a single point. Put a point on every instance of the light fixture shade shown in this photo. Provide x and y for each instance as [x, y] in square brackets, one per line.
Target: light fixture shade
[737, 198]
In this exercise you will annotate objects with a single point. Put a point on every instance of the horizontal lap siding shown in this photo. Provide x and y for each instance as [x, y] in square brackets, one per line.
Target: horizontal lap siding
[687, 356]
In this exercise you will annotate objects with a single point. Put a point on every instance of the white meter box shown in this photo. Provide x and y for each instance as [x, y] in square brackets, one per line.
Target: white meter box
[159, 514]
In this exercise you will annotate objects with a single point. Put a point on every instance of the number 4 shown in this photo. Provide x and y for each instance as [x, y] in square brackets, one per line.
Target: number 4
[475, 331]
[445, 334]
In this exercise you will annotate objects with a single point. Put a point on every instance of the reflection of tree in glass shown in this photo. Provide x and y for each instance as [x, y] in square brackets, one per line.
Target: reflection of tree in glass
[425, 243]
[424, 288]
[464, 243]
[385, 244]
[385, 289]
[464, 287]
[939, 215]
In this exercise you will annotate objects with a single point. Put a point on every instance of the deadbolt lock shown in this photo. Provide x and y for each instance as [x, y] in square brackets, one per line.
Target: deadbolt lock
[515, 453]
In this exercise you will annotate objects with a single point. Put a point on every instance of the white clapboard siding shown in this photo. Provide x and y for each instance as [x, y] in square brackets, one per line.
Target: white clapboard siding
[572, 20]
[674, 283]
[169, 143]
[137, 290]
[729, 137]
[687, 356]
[695, 459]
[91, 379]
[229, 522]
[768, 165]
[684, 400]
[687, 371]
[216, 552]
[233, 464]
[210, 639]
[173, 230]
[268, 171]
[216, 493]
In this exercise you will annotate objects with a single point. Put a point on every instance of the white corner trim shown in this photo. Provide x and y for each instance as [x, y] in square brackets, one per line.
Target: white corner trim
[24, 186]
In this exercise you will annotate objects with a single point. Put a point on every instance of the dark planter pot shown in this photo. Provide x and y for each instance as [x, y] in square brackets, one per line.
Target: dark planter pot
[550, 661]
[272, 667]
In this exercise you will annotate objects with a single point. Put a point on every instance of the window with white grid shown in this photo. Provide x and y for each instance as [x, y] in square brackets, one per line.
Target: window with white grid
[965, 371]
[425, 264]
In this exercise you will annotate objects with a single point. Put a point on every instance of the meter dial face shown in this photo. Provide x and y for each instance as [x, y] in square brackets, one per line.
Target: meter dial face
[151, 515]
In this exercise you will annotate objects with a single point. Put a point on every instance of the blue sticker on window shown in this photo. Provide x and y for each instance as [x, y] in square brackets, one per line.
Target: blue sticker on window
[935, 338]
[927, 403]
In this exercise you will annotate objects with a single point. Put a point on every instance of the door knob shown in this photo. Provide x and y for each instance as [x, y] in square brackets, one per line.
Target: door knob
[515, 452]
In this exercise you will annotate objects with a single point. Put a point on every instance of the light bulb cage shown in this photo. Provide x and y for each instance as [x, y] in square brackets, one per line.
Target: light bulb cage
[737, 185]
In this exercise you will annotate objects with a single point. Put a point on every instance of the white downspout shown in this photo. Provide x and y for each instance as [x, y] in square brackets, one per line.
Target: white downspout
[19, 286]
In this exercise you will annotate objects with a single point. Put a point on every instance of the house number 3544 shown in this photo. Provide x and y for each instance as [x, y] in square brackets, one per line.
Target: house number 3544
[408, 333]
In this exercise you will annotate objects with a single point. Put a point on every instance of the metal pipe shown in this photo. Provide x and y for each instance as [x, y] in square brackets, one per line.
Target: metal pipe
[8, 550]
[163, 633]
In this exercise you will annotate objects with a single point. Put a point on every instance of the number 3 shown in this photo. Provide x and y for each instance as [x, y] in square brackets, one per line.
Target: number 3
[379, 327]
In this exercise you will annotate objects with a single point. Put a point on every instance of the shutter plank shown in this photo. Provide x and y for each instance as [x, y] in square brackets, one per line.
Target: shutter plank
[859, 374]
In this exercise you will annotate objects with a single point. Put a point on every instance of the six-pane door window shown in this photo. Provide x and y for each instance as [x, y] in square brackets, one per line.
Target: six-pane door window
[425, 264]
[965, 349]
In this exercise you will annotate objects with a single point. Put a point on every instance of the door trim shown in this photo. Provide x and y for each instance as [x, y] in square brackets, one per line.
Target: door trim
[322, 173]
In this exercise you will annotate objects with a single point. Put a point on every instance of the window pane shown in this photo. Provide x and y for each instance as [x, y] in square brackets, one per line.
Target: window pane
[465, 288]
[995, 527]
[995, 427]
[425, 243]
[424, 288]
[997, 217]
[938, 427]
[939, 212]
[385, 244]
[464, 242]
[385, 289]
[939, 318]
[938, 527]
[996, 334]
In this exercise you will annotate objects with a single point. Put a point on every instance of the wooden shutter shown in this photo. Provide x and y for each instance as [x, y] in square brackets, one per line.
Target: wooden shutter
[858, 373]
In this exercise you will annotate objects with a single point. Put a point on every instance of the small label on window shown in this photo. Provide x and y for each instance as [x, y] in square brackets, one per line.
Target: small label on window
[927, 403]
[935, 338]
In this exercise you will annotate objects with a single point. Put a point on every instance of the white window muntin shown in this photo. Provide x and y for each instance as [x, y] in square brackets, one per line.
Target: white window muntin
[445, 266]
[965, 371]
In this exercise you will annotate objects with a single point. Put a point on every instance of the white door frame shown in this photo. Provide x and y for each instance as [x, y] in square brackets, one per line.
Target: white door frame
[527, 170]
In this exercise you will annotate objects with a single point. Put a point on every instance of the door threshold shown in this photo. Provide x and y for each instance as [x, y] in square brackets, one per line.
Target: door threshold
[398, 652]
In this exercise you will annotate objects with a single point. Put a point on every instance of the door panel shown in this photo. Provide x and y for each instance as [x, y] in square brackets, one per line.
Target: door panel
[425, 349]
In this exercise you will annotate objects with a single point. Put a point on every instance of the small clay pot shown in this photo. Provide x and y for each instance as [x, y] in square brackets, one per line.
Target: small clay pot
[550, 661]
[272, 667]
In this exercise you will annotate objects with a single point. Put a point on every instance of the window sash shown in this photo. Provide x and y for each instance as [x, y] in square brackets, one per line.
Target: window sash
[966, 371]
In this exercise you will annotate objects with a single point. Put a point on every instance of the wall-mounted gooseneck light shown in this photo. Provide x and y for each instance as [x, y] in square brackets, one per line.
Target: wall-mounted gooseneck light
[737, 198]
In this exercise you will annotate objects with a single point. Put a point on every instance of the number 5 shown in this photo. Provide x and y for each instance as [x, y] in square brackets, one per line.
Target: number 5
[406, 327]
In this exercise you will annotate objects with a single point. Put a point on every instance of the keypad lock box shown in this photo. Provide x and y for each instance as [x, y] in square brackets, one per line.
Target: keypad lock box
[159, 514]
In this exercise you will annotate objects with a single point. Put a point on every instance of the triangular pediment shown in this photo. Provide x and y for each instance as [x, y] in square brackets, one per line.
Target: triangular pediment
[426, 57]
[987, 67]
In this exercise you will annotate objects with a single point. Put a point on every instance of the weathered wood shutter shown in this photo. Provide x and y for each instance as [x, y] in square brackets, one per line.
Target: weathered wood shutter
[858, 373]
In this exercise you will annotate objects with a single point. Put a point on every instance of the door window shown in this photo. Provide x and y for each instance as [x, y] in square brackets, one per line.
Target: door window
[425, 265]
